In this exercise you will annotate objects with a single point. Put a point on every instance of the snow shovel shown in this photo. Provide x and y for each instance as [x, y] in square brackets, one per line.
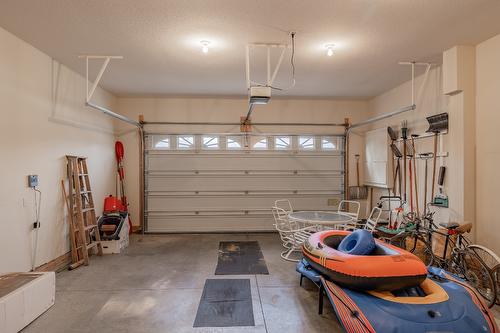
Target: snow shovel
[358, 192]
[397, 174]
[437, 124]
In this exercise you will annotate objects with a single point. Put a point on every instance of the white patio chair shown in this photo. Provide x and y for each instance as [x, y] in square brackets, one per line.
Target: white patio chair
[282, 225]
[292, 233]
[354, 207]
[284, 204]
[372, 220]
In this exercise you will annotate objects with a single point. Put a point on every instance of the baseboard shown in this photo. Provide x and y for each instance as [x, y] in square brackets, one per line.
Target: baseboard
[58, 264]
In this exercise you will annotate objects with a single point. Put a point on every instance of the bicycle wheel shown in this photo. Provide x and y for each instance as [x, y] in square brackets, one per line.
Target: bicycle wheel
[421, 248]
[496, 276]
[472, 269]
[488, 257]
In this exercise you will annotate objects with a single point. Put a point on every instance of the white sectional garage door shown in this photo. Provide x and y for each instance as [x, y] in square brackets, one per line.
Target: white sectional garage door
[214, 182]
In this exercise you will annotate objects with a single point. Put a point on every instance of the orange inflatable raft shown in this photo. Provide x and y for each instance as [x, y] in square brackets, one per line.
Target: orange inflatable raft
[386, 268]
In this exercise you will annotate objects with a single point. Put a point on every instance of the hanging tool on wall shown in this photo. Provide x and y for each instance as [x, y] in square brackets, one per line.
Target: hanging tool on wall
[357, 192]
[437, 124]
[426, 157]
[393, 135]
[120, 153]
[397, 173]
[404, 136]
[441, 199]
[415, 179]
[410, 153]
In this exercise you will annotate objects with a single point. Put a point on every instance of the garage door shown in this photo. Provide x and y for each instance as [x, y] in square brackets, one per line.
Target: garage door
[226, 182]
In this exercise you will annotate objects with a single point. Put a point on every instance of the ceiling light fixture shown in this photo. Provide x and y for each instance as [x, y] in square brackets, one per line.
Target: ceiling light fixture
[204, 46]
[329, 49]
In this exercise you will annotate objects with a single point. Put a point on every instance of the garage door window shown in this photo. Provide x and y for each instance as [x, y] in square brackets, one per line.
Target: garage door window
[185, 142]
[210, 142]
[282, 142]
[161, 142]
[234, 142]
[259, 142]
[329, 143]
[306, 142]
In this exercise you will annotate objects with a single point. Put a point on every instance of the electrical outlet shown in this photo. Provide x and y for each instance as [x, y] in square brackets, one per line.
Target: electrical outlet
[32, 180]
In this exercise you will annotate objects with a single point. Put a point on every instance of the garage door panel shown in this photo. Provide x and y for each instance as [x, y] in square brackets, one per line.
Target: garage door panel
[228, 203]
[242, 183]
[227, 162]
[210, 223]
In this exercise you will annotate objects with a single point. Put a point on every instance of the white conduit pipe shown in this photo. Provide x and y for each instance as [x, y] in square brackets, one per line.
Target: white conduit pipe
[424, 82]
[38, 204]
[268, 66]
[412, 83]
[383, 116]
[247, 65]
[114, 114]
[278, 65]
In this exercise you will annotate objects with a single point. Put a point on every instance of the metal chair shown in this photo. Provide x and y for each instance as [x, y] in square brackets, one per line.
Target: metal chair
[281, 209]
[371, 222]
[282, 225]
[284, 204]
[292, 233]
[354, 214]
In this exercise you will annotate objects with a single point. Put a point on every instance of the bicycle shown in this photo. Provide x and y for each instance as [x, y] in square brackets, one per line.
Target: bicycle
[492, 260]
[496, 277]
[459, 257]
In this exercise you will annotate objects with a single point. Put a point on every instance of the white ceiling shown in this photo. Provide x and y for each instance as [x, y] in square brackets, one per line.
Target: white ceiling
[160, 40]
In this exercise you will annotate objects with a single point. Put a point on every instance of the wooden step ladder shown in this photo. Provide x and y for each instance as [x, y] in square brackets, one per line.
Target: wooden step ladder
[84, 232]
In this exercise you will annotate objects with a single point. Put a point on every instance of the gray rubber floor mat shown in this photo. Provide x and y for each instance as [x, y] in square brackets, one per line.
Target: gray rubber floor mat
[225, 303]
[240, 258]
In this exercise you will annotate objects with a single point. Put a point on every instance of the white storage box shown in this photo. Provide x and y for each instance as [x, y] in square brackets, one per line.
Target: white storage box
[24, 297]
[117, 246]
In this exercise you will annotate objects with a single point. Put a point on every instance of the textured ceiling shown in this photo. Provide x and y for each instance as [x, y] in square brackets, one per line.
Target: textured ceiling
[160, 40]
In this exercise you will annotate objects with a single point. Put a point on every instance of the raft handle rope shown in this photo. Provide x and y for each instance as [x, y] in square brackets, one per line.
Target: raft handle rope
[354, 313]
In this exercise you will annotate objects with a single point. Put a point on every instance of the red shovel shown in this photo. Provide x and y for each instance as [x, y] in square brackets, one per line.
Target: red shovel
[120, 152]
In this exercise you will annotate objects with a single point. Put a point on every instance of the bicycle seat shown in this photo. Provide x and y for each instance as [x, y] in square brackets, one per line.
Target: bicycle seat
[449, 225]
[464, 228]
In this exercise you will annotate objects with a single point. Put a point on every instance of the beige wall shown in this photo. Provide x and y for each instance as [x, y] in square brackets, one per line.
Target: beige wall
[229, 110]
[488, 142]
[429, 102]
[42, 120]
[472, 143]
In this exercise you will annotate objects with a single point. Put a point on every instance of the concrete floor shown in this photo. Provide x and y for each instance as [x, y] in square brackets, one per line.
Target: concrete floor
[156, 285]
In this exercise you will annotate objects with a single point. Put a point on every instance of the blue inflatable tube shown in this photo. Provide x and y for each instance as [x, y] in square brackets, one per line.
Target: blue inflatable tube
[359, 242]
